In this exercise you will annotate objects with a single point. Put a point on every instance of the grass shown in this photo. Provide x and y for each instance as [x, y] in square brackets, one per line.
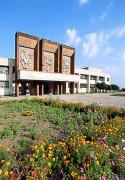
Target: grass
[43, 136]
[31, 121]
[122, 95]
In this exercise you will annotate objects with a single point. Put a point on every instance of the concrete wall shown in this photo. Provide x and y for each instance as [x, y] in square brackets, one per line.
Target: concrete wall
[91, 72]
[7, 77]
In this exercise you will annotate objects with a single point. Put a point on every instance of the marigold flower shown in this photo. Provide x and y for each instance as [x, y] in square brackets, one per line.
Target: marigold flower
[1, 171]
[36, 146]
[72, 174]
[49, 164]
[6, 173]
[8, 163]
[97, 162]
[43, 155]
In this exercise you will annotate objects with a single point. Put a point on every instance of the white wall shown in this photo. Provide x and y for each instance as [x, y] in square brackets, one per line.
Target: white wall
[4, 91]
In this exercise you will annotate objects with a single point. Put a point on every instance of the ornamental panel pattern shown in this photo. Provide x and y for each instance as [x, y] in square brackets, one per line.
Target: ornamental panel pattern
[26, 59]
[66, 61]
[48, 61]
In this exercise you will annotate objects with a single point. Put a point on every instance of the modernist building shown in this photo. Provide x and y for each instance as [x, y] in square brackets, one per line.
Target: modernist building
[42, 67]
[88, 78]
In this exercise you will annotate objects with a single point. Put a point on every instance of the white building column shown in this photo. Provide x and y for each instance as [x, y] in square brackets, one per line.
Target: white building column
[88, 83]
[10, 80]
[78, 87]
[67, 88]
[97, 80]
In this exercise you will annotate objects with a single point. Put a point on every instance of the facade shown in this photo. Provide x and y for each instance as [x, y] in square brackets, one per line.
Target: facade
[88, 78]
[43, 66]
[6, 76]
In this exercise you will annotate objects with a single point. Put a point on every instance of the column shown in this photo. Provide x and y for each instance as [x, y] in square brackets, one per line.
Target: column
[97, 80]
[67, 87]
[16, 88]
[78, 87]
[88, 83]
[60, 88]
[10, 80]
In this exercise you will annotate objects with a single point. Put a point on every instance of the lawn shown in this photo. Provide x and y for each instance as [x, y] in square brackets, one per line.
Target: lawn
[49, 139]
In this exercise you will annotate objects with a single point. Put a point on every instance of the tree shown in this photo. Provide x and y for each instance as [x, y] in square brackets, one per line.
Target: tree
[108, 87]
[114, 87]
[98, 86]
[101, 86]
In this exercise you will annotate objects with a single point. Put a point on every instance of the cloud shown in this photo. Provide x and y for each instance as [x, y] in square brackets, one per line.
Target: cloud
[72, 37]
[83, 2]
[100, 42]
[104, 14]
[90, 46]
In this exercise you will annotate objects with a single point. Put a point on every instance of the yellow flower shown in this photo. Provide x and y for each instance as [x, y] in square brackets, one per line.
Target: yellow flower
[95, 158]
[72, 174]
[6, 173]
[54, 159]
[36, 146]
[43, 155]
[64, 157]
[1, 171]
[97, 162]
[8, 163]
[49, 155]
[49, 164]
[2, 161]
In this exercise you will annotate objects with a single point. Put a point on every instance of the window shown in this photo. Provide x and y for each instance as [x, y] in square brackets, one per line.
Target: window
[101, 78]
[83, 85]
[107, 79]
[92, 85]
[4, 84]
[83, 76]
[92, 77]
[4, 70]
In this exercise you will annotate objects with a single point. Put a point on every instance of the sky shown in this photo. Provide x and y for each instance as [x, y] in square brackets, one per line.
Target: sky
[96, 28]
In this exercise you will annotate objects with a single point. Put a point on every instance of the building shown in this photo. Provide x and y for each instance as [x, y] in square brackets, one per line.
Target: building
[88, 78]
[6, 76]
[42, 67]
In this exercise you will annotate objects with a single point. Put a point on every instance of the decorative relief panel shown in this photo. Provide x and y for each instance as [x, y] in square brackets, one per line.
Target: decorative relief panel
[66, 64]
[26, 58]
[48, 61]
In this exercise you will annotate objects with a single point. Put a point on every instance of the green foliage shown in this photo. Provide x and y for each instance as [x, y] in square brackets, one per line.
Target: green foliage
[10, 131]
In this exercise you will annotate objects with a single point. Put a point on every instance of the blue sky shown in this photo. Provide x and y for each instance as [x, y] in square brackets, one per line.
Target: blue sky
[96, 28]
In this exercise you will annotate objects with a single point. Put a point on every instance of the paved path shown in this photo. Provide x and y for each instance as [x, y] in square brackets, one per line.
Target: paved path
[104, 99]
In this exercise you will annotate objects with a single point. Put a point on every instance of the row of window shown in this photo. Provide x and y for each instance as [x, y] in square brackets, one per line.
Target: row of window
[83, 76]
[4, 84]
[85, 85]
[4, 70]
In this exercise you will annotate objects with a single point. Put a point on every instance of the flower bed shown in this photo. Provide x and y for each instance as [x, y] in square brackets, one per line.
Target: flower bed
[73, 158]
[92, 146]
